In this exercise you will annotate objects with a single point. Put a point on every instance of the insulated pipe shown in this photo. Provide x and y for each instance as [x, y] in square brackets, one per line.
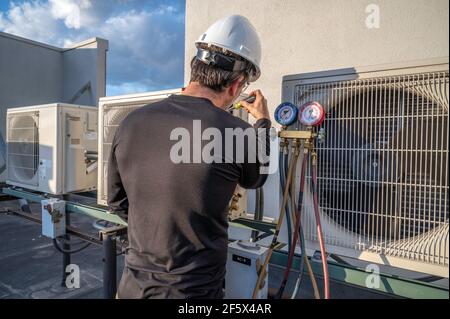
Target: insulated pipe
[92, 157]
[274, 243]
[257, 203]
[261, 204]
[257, 215]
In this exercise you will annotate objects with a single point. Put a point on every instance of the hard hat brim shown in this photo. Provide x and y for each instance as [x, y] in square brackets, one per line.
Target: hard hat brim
[253, 77]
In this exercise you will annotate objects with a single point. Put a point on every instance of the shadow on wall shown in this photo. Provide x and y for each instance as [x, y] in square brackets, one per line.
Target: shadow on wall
[82, 80]
[2, 154]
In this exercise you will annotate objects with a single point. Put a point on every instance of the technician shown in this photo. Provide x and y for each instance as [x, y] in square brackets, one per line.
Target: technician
[177, 210]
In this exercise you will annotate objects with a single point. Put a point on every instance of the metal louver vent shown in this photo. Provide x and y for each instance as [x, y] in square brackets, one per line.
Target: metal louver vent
[112, 116]
[383, 167]
[23, 148]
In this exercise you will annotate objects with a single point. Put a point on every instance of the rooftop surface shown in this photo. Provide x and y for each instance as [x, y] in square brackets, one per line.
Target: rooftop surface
[30, 267]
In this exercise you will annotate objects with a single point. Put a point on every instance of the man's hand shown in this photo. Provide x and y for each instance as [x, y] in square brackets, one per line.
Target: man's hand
[257, 109]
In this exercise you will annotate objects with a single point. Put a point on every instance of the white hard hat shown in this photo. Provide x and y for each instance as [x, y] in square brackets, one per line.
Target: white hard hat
[236, 34]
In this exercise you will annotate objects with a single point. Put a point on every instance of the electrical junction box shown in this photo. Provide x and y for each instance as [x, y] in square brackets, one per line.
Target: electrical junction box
[53, 217]
[243, 264]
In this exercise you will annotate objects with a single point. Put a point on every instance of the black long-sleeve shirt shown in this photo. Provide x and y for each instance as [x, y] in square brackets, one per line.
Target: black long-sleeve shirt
[177, 212]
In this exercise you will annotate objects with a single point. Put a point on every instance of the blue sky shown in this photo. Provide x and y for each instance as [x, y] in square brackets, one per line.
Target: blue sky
[146, 37]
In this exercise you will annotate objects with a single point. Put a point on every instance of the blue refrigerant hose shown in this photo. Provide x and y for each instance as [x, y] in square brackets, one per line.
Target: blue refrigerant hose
[282, 169]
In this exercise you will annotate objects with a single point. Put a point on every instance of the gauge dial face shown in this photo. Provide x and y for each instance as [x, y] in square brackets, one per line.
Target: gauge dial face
[311, 114]
[286, 114]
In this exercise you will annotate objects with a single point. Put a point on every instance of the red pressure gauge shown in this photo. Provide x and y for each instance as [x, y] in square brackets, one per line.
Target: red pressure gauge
[311, 114]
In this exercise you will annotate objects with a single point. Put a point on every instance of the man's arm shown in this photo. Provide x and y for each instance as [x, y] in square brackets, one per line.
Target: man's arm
[254, 174]
[117, 197]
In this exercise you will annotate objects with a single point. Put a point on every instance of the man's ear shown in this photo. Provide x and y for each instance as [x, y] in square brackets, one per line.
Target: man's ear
[235, 85]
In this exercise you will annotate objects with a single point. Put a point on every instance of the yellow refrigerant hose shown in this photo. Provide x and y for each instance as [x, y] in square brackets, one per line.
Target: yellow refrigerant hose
[311, 276]
[304, 255]
[291, 171]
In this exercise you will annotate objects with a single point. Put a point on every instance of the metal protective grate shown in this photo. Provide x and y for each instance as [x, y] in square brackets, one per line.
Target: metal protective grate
[23, 147]
[383, 167]
[112, 117]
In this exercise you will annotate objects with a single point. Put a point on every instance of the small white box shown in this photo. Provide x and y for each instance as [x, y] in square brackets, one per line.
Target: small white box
[53, 217]
[243, 261]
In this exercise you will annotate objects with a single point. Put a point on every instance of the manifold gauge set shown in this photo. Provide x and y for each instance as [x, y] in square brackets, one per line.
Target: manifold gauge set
[309, 114]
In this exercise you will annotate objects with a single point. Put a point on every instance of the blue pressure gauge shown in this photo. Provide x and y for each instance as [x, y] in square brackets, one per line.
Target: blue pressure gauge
[286, 114]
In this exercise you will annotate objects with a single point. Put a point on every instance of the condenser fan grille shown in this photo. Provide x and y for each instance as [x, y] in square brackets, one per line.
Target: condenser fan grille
[23, 148]
[383, 165]
[112, 117]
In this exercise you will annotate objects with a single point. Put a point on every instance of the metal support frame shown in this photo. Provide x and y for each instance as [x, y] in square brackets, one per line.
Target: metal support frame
[66, 256]
[392, 285]
[109, 266]
[107, 237]
[71, 207]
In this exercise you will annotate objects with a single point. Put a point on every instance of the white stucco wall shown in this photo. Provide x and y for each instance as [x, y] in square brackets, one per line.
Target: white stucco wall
[301, 36]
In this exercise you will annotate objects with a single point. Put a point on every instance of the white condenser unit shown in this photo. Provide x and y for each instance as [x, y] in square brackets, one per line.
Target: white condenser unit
[113, 111]
[47, 147]
[383, 165]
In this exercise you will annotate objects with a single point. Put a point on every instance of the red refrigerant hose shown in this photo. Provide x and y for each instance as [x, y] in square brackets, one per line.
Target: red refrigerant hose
[323, 253]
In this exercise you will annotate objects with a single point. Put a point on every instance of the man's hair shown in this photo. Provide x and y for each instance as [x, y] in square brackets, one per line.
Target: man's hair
[211, 76]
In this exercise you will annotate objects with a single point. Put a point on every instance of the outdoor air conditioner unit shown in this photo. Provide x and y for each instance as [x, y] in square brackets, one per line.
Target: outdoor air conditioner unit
[383, 165]
[47, 147]
[113, 111]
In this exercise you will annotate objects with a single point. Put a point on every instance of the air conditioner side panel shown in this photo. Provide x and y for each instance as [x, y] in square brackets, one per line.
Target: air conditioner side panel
[49, 157]
[80, 135]
[91, 144]
[100, 173]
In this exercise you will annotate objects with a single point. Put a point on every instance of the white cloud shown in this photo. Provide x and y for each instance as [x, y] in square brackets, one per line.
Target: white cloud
[125, 88]
[146, 39]
[31, 20]
[69, 11]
